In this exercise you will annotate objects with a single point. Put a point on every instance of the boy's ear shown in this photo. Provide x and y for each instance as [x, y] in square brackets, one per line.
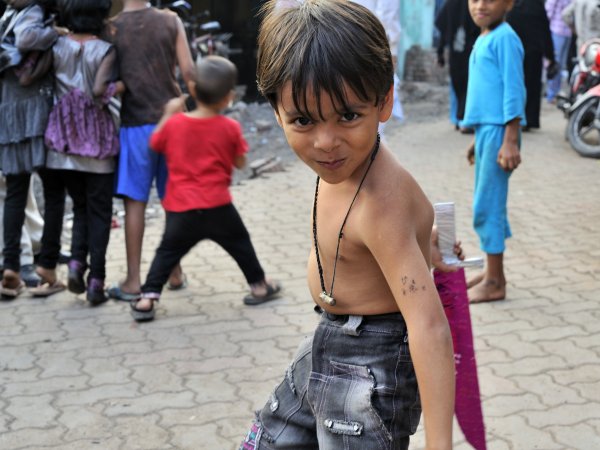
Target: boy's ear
[385, 108]
[277, 117]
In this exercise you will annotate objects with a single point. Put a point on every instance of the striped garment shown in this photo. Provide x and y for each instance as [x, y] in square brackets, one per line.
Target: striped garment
[554, 10]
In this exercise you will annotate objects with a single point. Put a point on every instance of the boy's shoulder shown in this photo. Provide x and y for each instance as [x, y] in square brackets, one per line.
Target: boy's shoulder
[395, 191]
[504, 32]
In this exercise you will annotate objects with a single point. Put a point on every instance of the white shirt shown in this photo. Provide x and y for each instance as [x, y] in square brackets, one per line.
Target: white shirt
[388, 13]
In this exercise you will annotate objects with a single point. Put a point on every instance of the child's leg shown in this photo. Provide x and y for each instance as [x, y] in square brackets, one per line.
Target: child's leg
[17, 187]
[182, 231]
[53, 182]
[287, 421]
[228, 230]
[98, 190]
[135, 173]
[135, 224]
[490, 212]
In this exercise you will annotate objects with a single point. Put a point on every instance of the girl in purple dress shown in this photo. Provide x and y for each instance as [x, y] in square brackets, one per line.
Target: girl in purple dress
[82, 142]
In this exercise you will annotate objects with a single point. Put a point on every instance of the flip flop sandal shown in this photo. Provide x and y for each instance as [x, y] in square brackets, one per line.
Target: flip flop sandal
[47, 289]
[142, 315]
[116, 293]
[11, 293]
[273, 290]
[180, 286]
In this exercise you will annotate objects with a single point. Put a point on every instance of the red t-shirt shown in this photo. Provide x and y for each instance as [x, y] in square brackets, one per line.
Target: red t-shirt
[200, 155]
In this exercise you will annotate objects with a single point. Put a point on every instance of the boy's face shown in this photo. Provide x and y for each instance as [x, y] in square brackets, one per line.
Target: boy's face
[487, 14]
[337, 145]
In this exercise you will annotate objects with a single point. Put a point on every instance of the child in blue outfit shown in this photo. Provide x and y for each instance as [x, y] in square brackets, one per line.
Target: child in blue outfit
[495, 109]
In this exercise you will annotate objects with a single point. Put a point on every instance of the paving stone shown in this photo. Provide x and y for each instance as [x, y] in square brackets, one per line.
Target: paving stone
[15, 359]
[576, 436]
[140, 405]
[515, 430]
[201, 437]
[564, 415]
[45, 386]
[548, 391]
[87, 424]
[34, 411]
[142, 433]
[31, 438]
[91, 396]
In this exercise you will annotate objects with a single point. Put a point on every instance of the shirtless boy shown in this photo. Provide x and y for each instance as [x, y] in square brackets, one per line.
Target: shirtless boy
[326, 68]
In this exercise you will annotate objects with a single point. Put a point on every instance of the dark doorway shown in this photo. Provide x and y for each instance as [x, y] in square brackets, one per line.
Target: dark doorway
[237, 17]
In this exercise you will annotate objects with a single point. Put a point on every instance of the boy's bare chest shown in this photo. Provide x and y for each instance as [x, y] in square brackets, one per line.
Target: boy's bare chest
[339, 229]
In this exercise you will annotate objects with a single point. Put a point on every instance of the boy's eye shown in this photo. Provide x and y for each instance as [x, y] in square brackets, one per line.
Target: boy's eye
[302, 121]
[349, 116]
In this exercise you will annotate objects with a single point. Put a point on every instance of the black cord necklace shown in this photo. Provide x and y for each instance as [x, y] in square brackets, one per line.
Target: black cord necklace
[324, 296]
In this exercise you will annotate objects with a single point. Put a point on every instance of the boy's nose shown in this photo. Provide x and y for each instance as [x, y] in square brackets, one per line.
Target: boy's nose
[325, 140]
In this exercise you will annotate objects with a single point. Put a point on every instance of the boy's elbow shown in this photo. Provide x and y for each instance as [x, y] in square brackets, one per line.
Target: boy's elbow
[436, 331]
[240, 162]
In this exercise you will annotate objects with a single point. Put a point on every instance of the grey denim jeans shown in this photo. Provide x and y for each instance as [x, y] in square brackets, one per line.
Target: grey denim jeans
[351, 386]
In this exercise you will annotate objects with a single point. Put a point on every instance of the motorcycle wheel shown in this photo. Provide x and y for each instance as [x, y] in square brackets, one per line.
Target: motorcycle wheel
[583, 129]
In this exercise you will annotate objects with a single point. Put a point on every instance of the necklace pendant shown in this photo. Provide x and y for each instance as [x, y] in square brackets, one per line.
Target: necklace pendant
[326, 298]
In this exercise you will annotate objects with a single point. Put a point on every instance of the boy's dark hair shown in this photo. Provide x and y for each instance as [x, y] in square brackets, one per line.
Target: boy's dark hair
[322, 45]
[215, 79]
[84, 16]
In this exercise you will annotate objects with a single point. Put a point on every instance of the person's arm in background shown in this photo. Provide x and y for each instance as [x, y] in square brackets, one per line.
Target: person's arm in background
[105, 85]
[184, 54]
[31, 33]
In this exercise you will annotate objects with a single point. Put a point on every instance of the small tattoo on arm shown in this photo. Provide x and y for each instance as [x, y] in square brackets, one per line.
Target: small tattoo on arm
[411, 286]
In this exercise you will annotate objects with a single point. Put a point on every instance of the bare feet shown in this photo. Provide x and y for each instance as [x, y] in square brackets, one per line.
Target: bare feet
[11, 279]
[475, 280]
[487, 291]
[177, 278]
[47, 275]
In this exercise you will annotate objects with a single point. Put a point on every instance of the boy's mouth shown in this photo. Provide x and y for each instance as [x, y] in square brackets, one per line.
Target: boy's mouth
[332, 165]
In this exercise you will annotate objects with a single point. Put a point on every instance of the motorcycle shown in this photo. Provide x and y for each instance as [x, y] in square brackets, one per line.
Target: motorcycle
[210, 42]
[581, 105]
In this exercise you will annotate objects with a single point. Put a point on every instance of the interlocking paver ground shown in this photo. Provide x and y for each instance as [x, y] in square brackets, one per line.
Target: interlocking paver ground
[75, 377]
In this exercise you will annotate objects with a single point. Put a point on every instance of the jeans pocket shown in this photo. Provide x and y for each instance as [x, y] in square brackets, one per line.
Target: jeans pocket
[346, 418]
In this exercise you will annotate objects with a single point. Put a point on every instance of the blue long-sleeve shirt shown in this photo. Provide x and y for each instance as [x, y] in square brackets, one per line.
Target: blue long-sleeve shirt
[496, 90]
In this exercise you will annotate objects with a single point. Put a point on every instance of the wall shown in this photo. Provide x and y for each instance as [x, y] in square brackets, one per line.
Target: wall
[416, 17]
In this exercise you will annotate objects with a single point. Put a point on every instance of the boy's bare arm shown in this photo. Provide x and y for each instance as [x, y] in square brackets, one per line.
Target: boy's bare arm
[239, 161]
[509, 156]
[399, 242]
[184, 55]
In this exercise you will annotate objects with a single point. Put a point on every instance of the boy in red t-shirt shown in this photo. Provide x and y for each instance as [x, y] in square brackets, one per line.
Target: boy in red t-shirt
[201, 148]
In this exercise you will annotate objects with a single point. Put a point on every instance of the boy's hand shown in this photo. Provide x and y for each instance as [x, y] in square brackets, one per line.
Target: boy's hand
[471, 153]
[62, 31]
[175, 105]
[436, 256]
[509, 156]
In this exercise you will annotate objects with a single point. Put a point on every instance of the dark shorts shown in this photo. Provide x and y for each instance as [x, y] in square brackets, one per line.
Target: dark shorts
[350, 386]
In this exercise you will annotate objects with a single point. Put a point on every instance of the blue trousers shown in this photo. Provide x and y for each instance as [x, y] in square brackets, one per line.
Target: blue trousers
[561, 52]
[491, 190]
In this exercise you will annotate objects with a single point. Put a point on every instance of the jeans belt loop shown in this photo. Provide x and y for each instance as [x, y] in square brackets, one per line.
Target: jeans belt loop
[350, 328]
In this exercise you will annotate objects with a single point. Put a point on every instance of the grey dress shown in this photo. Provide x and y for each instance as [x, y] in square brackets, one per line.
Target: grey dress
[24, 110]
